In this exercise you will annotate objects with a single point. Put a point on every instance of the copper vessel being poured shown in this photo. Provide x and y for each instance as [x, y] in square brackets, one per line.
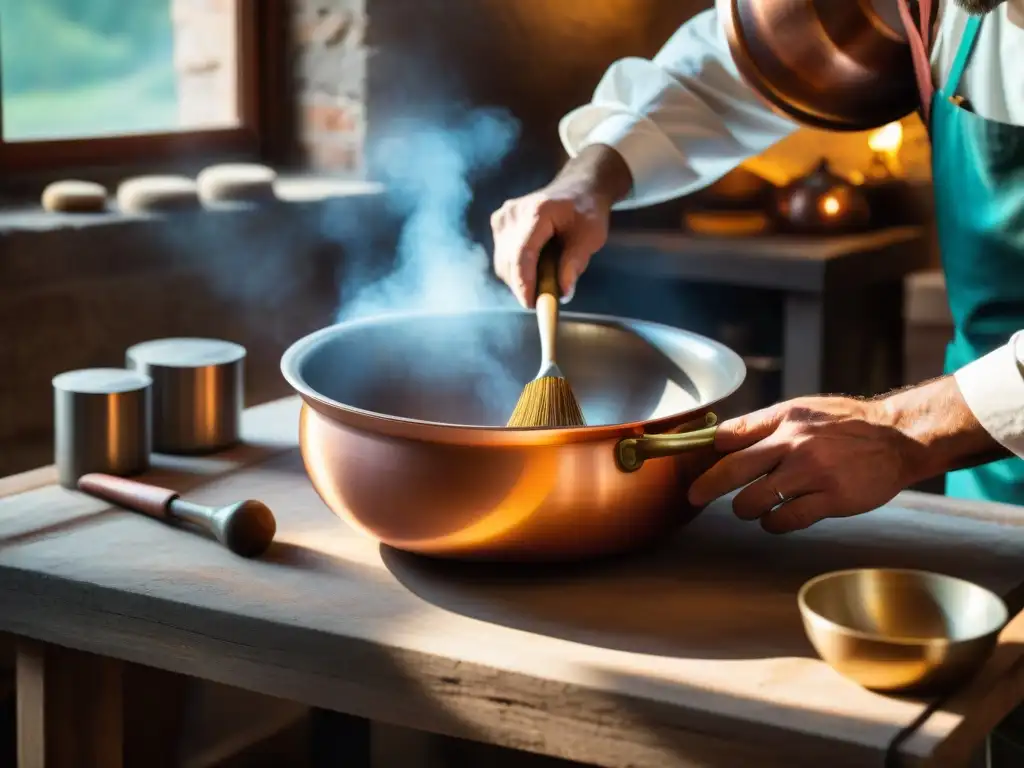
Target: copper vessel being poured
[840, 65]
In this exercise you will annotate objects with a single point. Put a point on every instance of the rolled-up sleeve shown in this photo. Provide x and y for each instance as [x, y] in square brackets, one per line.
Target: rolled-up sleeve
[993, 387]
[681, 120]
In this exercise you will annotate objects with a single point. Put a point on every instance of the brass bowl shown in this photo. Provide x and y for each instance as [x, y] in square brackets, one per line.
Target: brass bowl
[905, 631]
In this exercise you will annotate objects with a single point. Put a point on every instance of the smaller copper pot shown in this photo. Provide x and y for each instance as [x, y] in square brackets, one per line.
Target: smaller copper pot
[401, 432]
[822, 202]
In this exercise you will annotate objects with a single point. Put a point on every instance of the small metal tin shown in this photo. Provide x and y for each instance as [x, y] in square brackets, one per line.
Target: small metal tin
[198, 392]
[101, 423]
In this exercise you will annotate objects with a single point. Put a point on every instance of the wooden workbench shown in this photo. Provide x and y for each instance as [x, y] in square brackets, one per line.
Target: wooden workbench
[692, 655]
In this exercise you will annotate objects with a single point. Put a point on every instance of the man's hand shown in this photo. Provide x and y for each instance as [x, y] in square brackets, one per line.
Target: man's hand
[816, 457]
[575, 206]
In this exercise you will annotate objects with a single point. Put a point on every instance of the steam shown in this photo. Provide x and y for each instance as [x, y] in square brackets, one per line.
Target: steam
[427, 170]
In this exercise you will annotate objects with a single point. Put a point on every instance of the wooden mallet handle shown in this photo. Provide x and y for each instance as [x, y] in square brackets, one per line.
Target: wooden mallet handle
[246, 528]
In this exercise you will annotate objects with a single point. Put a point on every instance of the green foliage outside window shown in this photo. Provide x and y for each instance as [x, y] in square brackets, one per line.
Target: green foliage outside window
[76, 68]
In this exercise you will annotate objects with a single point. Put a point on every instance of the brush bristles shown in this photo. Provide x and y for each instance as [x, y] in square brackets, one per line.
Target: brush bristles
[547, 402]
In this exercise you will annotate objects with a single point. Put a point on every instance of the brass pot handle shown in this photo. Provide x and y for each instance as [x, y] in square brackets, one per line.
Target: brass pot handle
[632, 452]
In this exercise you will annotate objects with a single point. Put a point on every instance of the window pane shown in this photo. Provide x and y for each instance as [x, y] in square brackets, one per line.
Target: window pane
[87, 68]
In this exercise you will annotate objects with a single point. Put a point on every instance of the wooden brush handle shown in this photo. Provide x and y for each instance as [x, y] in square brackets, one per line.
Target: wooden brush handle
[547, 269]
[548, 294]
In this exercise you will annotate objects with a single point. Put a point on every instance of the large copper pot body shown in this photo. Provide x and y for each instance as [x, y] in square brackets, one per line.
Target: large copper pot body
[841, 65]
[401, 432]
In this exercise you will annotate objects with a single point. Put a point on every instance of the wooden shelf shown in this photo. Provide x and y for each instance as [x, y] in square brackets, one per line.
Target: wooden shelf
[778, 262]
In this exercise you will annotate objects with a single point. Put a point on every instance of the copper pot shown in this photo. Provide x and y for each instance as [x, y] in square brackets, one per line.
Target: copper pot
[401, 431]
[841, 65]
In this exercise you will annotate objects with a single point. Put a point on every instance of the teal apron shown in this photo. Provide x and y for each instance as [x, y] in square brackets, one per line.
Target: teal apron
[978, 176]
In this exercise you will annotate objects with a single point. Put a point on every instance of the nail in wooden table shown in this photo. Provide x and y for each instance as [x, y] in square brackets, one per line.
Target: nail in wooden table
[689, 655]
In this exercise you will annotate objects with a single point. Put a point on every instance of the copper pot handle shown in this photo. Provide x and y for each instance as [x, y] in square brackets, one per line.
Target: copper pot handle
[632, 452]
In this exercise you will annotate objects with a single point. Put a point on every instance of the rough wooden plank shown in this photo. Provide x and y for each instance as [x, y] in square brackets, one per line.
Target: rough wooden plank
[684, 656]
[504, 711]
[27, 481]
[980, 707]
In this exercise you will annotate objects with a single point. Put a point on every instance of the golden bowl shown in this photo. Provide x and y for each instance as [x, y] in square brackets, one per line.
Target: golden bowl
[896, 630]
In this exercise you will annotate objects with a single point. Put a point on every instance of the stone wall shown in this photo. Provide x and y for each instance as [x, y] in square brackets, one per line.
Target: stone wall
[330, 79]
[205, 49]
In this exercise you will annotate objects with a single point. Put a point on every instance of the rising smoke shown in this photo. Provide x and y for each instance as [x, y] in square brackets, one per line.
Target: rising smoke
[427, 170]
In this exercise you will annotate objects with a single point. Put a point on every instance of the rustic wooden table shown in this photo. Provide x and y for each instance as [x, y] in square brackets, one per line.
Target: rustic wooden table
[692, 655]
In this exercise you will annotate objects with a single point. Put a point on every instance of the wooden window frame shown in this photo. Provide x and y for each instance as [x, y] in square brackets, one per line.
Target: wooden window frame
[258, 54]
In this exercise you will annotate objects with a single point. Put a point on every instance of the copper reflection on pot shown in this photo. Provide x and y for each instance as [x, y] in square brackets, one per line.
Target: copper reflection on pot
[499, 498]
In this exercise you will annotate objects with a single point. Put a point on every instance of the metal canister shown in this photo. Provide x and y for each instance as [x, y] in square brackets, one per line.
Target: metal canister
[198, 392]
[101, 423]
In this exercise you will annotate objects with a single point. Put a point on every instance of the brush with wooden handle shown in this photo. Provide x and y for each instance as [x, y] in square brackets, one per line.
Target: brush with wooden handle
[548, 400]
[246, 528]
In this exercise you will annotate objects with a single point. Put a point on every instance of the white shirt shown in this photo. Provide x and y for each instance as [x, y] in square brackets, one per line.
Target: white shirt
[684, 119]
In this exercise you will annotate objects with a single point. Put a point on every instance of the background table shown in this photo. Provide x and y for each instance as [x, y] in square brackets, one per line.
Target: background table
[842, 324]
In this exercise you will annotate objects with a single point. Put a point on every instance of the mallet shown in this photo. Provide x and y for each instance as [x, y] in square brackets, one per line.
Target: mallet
[246, 527]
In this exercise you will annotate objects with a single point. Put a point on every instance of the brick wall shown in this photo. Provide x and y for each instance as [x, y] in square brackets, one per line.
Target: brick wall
[328, 61]
[330, 77]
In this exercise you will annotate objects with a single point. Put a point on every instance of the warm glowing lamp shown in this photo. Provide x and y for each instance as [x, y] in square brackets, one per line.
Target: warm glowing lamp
[885, 144]
[830, 205]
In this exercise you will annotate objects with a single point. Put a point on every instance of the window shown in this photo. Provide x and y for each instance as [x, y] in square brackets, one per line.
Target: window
[99, 81]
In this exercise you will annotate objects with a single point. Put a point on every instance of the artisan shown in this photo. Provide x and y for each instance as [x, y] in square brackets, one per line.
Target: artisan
[658, 129]
[662, 128]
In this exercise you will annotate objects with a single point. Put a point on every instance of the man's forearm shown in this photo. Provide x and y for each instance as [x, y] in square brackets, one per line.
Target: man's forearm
[597, 171]
[944, 433]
